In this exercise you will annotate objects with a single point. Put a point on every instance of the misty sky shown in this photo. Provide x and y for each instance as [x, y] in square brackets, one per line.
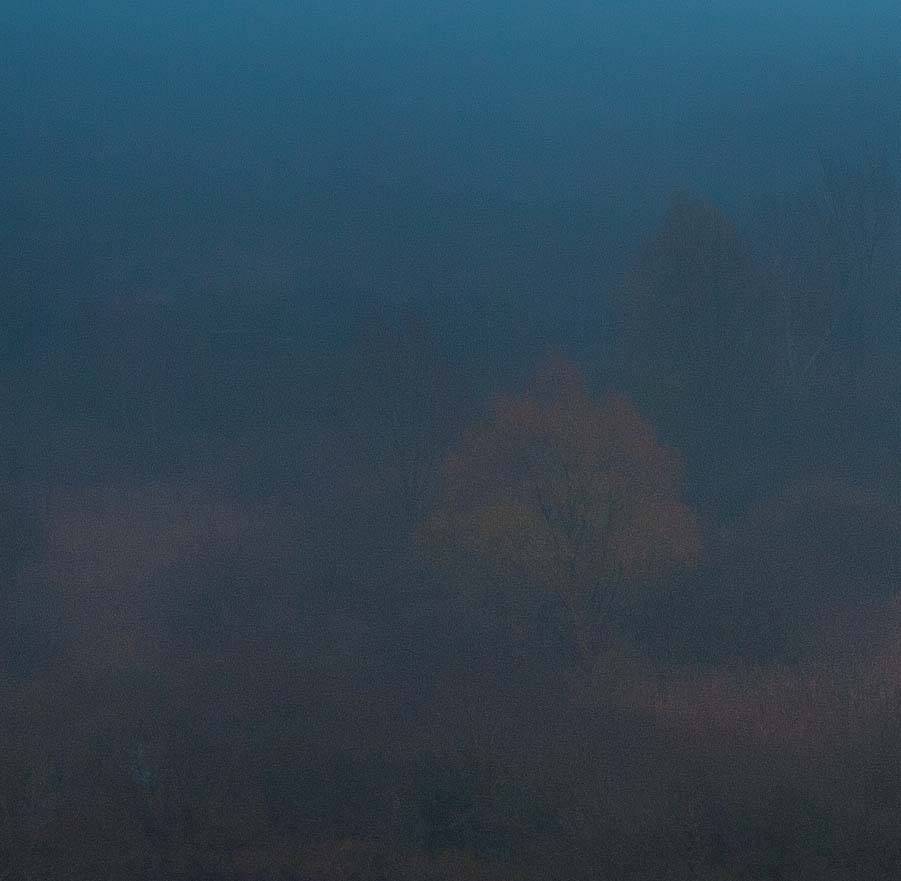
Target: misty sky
[271, 162]
[451, 439]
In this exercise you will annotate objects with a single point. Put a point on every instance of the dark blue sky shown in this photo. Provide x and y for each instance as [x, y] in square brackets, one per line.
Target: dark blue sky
[283, 161]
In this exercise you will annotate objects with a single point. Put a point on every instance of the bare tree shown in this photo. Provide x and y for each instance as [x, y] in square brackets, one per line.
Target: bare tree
[828, 249]
[858, 210]
[796, 258]
[827, 246]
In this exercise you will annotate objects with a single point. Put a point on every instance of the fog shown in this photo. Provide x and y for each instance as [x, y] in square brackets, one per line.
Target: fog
[450, 440]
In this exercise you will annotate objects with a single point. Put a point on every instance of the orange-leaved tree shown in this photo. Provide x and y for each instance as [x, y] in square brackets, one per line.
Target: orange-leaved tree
[570, 500]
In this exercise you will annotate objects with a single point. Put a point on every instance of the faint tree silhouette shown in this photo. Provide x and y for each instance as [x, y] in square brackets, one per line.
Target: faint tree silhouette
[857, 204]
[407, 400]
[830, 249]
[698, 340]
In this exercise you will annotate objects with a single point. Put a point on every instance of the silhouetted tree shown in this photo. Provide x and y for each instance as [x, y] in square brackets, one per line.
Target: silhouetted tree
[781, 579]
[407, 400]
[829, 250]
[697, 343]
[858, 208]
